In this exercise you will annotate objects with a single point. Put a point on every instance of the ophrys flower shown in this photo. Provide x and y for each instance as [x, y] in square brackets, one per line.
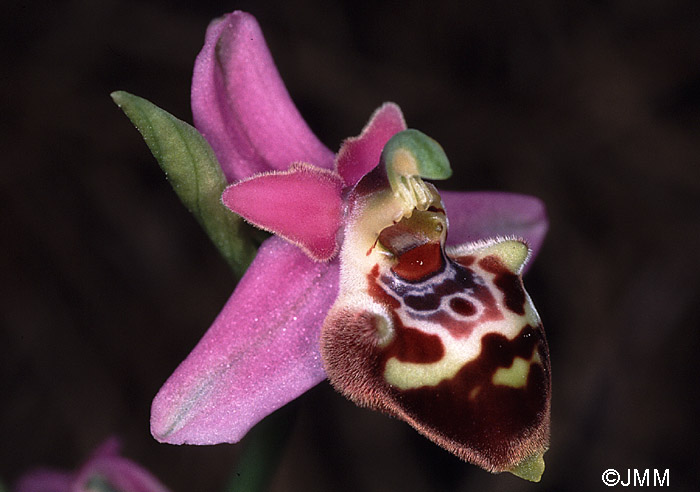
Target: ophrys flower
[431, 327]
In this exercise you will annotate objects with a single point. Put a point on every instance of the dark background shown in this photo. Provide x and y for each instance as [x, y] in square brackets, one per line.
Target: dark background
[108, 282]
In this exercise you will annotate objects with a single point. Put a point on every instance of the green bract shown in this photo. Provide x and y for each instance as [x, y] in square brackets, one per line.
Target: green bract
[194, 173]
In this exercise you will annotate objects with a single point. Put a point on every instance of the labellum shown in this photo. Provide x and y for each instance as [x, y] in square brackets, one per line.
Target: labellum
[445, 339]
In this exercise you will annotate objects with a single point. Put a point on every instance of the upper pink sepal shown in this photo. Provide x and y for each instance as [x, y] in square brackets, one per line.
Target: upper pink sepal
[241, 106]
[261, 352]
[482, 215]
[303, 205]
[359, 155]
[105, 469]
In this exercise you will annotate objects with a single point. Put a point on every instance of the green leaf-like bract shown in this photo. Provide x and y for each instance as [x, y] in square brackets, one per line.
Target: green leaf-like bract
[194, 173]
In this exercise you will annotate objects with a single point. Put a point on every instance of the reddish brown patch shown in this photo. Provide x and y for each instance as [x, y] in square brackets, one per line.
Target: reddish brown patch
[419, 262]
[408, 344]
[462, 306]
[507, 282]
[465, 260]
[499, 420]
[494, 426]
[411, 345]
[425, 302]
[377, 292]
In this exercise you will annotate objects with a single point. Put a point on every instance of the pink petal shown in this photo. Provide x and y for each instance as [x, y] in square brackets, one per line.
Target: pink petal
[481, 215]
[45, 480]
[261, 352]
[359, 155]
[302, 205]
[241, 106]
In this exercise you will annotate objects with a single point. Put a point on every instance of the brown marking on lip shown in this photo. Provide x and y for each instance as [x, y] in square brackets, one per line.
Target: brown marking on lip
[425, 302]
[494, 420]
[377, 292]
[466, 260]
[411, 345]
[460, 328]
[408, 344]
[507, 282]
[462, 306]
[447, 287]
[464, 279]
[495, 426]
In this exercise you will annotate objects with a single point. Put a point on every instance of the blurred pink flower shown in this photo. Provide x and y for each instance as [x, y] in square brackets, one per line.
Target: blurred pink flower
[104, 470]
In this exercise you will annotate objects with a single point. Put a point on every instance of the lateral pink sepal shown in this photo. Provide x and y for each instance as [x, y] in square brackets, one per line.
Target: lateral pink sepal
[359, 155]
[482, 215]
[303, 205]
[261, 352]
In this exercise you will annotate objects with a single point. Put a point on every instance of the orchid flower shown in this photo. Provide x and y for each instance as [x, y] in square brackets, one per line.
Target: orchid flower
[104, 471]
[408, 299]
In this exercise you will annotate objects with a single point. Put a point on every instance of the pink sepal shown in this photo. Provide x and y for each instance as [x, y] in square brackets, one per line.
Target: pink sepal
[483, 215]
[303, 205]
[241, 106]
[359, 155]
[261, 352]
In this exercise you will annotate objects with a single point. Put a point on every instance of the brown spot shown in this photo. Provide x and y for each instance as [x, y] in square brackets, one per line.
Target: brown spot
[426, 302]
[462, 306]
[447, 287]
[411, 345]
[465, 260]
[507, 282]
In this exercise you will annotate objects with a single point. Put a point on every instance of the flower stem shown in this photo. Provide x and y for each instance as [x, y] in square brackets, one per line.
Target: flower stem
[262, 452]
